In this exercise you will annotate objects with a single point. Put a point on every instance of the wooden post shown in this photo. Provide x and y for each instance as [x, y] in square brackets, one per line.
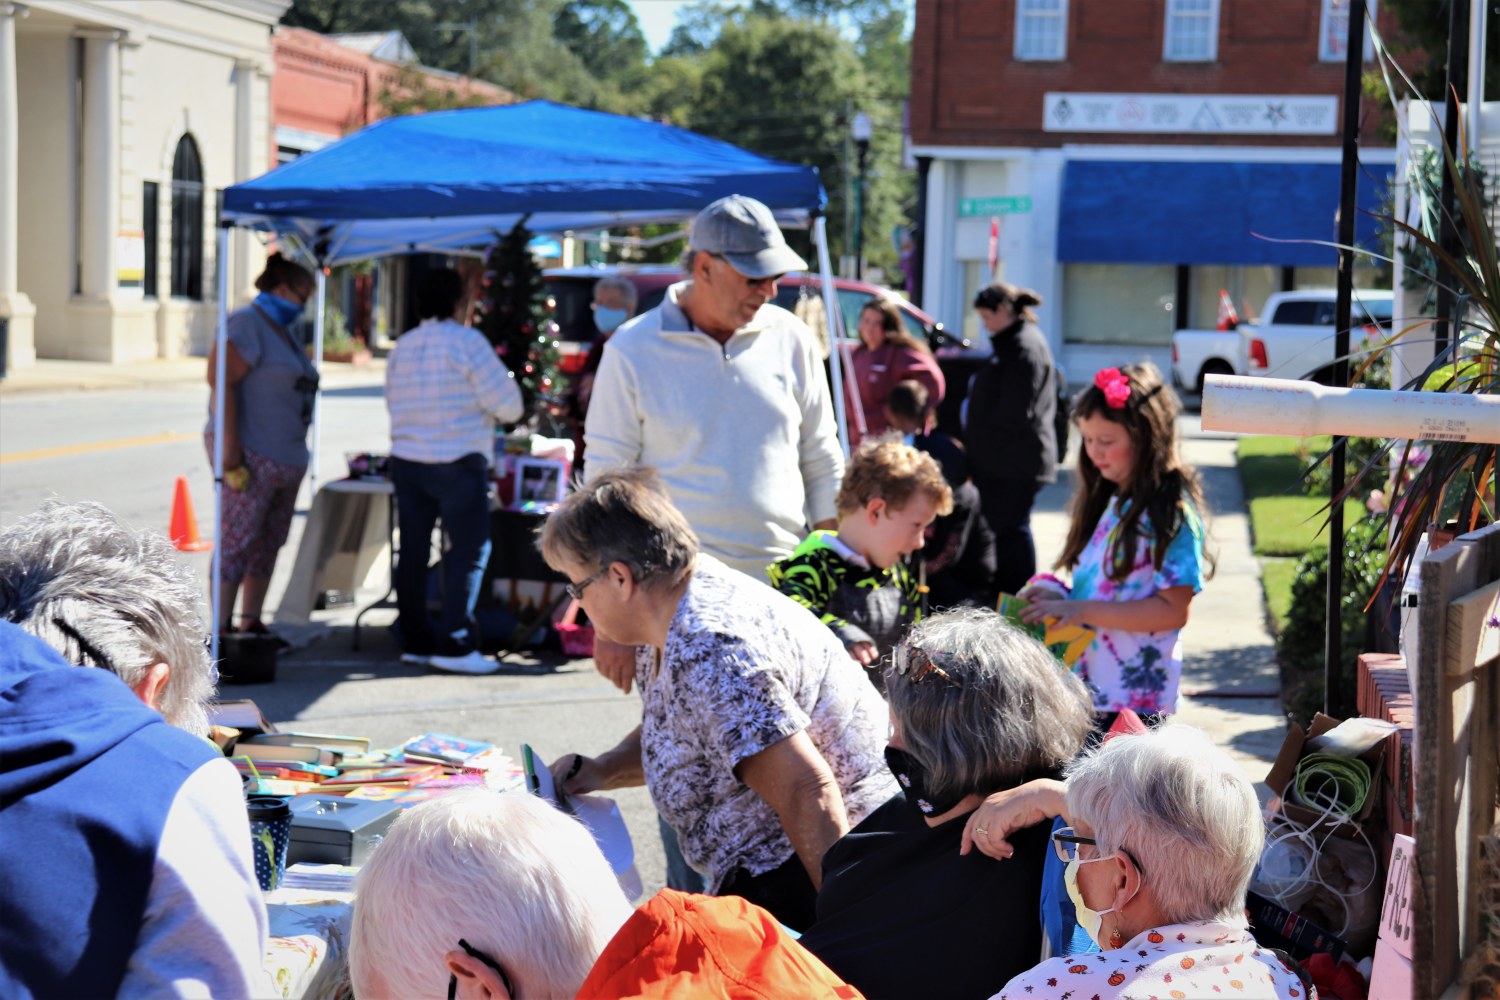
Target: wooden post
[1458, 751]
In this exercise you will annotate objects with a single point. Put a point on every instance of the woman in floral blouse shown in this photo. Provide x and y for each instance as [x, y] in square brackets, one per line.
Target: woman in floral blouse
[761, 742]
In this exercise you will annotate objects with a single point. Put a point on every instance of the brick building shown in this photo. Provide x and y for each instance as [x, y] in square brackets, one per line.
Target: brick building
[326, 86]
[1135, 153]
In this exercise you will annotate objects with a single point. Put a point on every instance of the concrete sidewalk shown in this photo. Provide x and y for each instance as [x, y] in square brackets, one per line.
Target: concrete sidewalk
[1230, 677]
[51, 375]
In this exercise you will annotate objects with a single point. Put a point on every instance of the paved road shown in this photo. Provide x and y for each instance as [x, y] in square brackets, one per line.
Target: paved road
[124, 447]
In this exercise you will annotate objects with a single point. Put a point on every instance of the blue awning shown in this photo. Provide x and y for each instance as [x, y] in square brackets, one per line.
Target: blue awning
[1160, 212]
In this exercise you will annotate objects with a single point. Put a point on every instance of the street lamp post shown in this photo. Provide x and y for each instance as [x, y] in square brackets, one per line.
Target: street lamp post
[860, 129]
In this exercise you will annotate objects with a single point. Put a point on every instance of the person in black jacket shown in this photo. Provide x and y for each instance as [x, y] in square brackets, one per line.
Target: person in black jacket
[1009, 426]
[976, 706]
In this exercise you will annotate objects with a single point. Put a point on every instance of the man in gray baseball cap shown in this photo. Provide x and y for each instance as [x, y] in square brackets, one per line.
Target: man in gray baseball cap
[724, 393]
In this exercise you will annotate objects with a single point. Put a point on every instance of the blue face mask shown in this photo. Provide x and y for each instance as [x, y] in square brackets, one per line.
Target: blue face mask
[609, 320]
[279, 309]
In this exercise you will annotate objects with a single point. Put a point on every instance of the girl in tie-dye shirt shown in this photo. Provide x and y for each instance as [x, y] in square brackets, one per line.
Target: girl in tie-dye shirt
[1135, 549]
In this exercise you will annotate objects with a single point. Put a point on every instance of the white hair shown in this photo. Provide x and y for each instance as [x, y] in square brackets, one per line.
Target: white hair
[1019, 714]
[506, 872]
[620, 284]
[105, 595]
[1181, 807]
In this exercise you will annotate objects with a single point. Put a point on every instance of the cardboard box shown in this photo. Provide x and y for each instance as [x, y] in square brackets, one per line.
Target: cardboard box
[1285, 767]
[1390, 979]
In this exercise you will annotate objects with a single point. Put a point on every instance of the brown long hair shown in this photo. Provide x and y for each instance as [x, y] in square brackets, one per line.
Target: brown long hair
[890, 322]
[1159, 482]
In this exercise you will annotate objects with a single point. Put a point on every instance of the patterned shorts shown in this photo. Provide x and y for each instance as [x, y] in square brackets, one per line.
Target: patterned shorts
[257, 518]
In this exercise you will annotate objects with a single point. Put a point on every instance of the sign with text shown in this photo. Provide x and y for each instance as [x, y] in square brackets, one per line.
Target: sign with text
[1207, 114]
[971, 207]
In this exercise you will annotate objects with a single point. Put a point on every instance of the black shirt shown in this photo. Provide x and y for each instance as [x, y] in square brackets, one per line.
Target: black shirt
[901, 914]
[1011, 431]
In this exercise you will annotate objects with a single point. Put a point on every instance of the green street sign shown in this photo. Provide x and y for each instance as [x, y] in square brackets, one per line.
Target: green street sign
[969, 207]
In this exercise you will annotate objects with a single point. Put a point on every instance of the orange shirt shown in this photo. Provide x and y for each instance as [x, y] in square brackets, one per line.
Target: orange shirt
[679, 946]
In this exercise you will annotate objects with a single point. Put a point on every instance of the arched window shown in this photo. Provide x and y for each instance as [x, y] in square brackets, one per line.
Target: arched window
[187, 221]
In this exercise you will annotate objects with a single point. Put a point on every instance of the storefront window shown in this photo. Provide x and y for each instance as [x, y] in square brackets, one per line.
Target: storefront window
[187, 221]
[1118, 304]
[1247, 288]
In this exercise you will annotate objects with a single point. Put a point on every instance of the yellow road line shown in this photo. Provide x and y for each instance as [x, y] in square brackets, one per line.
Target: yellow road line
[82, 449]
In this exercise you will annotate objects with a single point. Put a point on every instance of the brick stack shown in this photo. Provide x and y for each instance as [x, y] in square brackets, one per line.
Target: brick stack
[1385, 693]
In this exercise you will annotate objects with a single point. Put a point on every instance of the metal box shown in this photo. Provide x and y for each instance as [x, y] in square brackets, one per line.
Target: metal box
[328, 829]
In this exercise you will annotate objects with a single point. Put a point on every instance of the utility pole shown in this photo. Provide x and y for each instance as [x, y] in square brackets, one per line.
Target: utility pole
[861, 130]
[472, 28]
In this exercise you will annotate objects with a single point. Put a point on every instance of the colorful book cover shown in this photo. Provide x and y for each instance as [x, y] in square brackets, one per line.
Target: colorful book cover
[443, 748]
[408, 776]
[1066, 643]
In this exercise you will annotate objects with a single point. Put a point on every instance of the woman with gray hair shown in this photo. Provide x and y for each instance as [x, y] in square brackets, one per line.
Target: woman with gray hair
[976, 706]
[1164, 833]
[760, 738]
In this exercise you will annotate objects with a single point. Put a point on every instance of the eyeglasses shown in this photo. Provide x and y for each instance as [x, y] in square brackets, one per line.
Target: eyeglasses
[474, 952]
[1065, 842]
[575, 590]
[916, 665]
[752, 282]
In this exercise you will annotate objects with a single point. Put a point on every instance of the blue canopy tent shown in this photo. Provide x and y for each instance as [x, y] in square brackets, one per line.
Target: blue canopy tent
[454, 180]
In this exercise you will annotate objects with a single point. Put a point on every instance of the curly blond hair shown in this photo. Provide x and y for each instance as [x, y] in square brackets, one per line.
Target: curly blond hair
[885, 469]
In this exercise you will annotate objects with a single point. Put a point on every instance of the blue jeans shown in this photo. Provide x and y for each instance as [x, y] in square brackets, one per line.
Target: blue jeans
[458, 493]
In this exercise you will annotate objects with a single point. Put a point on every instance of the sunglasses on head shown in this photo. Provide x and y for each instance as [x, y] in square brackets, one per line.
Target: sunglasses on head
[916, 665]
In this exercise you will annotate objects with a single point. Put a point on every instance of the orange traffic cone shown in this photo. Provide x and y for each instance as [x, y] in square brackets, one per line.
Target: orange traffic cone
[184, 529]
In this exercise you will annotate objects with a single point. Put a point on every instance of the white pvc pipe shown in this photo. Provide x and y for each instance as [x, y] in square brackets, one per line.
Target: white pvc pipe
[1478, 16]
[835, 320]
[221, 346]
[317, 360]
[1303, 409]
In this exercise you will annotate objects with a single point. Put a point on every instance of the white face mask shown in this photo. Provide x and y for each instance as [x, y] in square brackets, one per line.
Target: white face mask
[1090, 920]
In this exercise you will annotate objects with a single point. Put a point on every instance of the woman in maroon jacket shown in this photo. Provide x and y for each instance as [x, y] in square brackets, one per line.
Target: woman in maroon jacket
[888, 354]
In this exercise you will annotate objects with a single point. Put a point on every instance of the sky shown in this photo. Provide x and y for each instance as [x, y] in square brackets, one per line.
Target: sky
[657, 18]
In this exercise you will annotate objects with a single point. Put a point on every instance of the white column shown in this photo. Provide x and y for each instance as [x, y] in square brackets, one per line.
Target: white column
[100, 190]
[15, 305]
[246, 154]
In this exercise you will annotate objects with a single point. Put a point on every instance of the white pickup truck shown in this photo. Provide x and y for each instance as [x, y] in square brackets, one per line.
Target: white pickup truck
[1294, 338]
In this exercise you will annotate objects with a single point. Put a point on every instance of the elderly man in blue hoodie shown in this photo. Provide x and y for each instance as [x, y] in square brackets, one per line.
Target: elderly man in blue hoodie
[127, 870]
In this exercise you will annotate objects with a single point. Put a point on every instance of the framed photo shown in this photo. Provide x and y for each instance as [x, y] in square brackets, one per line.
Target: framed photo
[541, 480]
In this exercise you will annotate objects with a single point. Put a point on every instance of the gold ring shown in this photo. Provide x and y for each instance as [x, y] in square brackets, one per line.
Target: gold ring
[981, 831]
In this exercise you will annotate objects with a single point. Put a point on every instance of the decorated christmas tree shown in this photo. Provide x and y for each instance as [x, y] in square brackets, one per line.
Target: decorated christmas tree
[515, 314]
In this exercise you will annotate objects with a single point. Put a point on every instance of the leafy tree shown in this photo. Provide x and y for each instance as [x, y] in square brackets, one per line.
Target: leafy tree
[516, 46]
[788, 88]
[604, 35]
[1425, 23]
[410, 92]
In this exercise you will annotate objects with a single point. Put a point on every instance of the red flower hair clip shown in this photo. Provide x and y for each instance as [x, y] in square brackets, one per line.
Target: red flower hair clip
[1116, 387]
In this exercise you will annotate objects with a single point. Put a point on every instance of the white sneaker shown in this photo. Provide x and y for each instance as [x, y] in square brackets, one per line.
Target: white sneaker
[471, 663]
[415, 659]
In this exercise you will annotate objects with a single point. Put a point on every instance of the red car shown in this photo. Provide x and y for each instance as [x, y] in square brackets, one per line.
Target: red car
[572, 288]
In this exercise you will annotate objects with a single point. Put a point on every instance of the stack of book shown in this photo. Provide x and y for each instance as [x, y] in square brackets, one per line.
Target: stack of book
[292, 763]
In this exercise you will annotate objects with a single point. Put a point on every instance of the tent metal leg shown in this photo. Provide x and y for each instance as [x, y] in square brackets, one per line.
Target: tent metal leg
[221, 340]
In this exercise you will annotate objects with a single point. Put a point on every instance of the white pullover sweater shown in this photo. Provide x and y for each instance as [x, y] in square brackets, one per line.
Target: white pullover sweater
[743, 434]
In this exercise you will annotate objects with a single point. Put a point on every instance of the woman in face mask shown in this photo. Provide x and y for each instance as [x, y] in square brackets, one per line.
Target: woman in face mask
[976, 706]
[267, 410]
[614, 303]
[1164, 833]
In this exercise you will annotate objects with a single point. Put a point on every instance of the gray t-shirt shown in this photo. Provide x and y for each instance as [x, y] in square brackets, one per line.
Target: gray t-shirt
[274, 411]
